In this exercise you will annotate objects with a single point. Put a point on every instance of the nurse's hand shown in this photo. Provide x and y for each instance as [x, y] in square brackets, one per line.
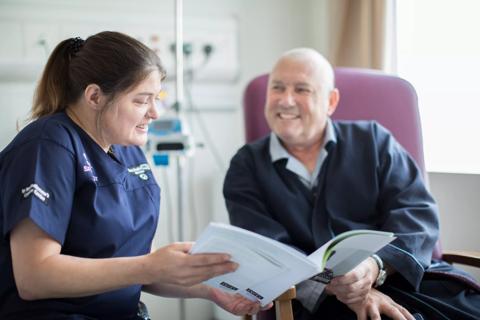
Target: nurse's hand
[173, 264]
[354, 286]
[235, 303]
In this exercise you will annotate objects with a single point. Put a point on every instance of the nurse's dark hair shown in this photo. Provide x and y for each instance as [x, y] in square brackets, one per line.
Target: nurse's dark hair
[112, 60]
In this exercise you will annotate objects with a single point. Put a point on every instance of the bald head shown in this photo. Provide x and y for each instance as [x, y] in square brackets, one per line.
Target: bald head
[300, 98]
[315, 65]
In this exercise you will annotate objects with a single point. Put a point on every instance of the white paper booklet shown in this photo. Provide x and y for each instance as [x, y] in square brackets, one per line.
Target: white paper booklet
[267, 267]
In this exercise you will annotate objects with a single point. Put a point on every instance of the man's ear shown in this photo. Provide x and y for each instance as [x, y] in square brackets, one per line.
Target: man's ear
[94, 96]
[333, 99]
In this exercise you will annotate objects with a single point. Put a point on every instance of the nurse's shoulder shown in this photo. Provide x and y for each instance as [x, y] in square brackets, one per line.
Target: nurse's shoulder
[56, 128]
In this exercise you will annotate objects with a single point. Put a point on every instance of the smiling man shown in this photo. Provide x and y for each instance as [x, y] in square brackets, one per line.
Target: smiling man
[313, 178]
[300, 98]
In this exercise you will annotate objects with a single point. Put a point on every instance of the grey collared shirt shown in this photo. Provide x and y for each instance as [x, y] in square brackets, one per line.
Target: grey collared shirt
[310, 293]
[278, 152]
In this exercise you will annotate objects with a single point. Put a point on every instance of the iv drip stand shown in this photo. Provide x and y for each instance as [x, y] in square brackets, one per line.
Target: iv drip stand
[178, 105]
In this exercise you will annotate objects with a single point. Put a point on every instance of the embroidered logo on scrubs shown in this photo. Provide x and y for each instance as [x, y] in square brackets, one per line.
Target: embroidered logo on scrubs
[37, 192]
[140, 171]
[87, 167]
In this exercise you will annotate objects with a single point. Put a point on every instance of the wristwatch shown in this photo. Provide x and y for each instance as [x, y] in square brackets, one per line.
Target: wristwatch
[382, 273]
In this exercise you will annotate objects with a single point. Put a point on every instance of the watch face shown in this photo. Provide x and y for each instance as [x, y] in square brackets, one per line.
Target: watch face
[382, 276]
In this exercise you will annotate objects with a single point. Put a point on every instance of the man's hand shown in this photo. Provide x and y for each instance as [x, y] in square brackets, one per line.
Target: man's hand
[235, 303]
[376, 304]
[354, 286]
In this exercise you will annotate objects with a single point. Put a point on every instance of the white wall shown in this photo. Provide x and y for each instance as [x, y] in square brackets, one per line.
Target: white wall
[266, 29]
[459, 203]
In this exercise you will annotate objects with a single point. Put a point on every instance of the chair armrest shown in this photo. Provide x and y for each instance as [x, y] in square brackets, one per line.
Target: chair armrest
[283, 305]
[469, 258]
[290, 294]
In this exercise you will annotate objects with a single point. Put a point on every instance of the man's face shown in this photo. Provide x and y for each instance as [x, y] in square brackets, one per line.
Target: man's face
[297, 105]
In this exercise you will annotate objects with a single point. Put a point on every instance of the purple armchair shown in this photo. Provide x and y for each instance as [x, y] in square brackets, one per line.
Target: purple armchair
[364, 95]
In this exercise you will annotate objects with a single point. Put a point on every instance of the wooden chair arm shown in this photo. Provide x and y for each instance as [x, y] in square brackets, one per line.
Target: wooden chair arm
[469, 258]
[283, 305]
[290, 294]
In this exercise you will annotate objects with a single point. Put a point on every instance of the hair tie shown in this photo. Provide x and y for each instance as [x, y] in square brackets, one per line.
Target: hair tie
[76, 44]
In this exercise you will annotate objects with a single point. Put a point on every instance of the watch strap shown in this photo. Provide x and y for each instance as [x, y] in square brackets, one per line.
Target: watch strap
[382, 273]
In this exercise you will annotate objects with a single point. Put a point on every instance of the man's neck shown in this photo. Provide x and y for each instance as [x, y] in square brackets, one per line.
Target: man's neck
[307, 154]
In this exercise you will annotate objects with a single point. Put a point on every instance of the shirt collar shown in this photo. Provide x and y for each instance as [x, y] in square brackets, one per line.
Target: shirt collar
[278, 152]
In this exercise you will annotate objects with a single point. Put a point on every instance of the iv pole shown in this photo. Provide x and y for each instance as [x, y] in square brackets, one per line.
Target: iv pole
[178, 105]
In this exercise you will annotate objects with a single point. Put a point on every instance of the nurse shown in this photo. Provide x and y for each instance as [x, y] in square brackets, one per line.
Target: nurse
[78, 202]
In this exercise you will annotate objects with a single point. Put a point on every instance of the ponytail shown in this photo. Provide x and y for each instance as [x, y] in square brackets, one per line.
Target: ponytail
[52, 90]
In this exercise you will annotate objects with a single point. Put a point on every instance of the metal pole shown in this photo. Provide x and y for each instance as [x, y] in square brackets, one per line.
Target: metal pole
[179, 53]
[178, 107]
[180, 192]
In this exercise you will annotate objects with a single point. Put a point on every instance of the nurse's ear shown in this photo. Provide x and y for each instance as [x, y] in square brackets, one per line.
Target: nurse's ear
[94, 97]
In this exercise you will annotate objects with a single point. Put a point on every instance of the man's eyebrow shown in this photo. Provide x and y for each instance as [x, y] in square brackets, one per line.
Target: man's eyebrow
[296, 83]
[145, 94]
[302, 84]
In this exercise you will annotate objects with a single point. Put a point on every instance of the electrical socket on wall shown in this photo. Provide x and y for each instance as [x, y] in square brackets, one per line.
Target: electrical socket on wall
[210, 50]
[212, 44]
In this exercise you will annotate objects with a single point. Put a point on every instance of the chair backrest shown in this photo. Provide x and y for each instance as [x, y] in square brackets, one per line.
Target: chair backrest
[364, 95]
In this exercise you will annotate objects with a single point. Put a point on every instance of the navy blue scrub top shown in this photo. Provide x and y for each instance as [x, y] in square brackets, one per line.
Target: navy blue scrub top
[96, 205]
